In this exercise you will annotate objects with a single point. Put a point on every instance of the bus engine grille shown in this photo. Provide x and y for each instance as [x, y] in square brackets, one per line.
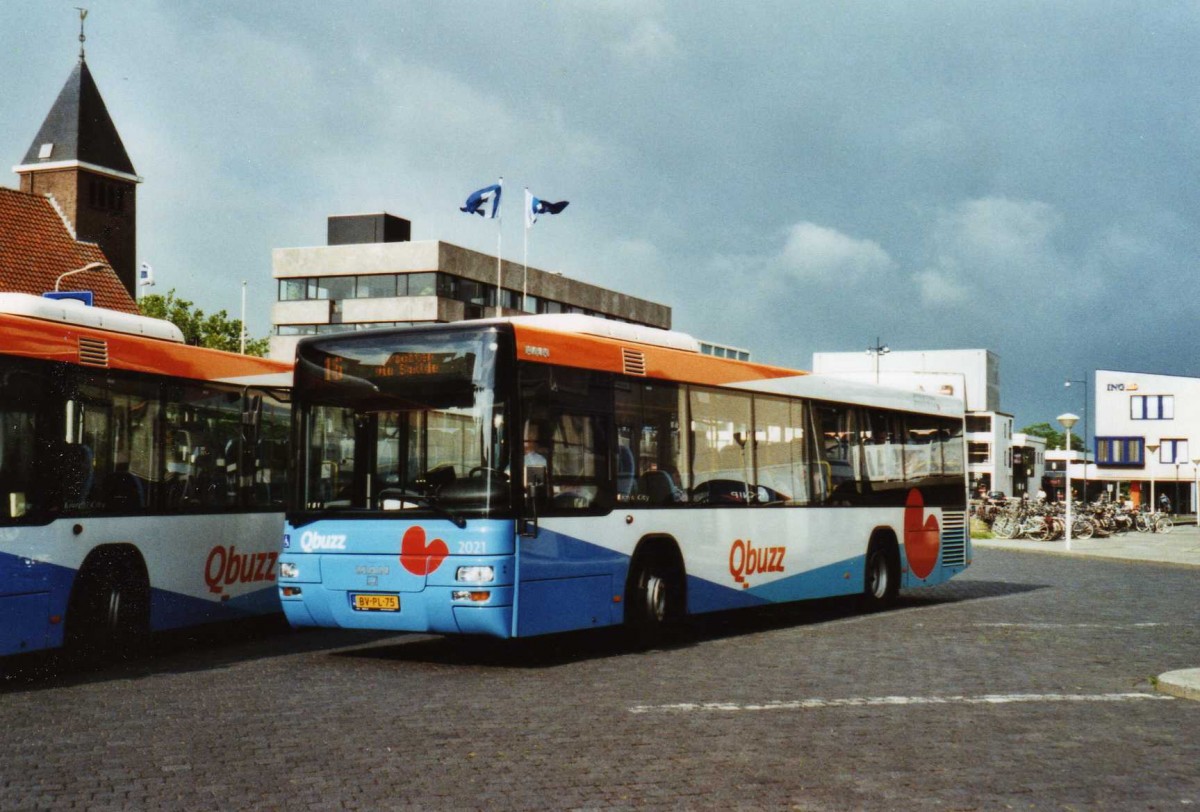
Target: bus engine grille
[634, 361]
[93, 352]
[954, 538]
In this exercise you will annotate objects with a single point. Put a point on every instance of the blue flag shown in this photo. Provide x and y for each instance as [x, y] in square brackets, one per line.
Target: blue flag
[477, 202]
[535, 206]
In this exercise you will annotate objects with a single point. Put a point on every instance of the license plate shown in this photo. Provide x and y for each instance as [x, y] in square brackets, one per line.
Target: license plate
[377, 603]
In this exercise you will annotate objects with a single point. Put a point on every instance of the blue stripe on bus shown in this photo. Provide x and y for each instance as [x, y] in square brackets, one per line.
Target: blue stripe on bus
[32, 592]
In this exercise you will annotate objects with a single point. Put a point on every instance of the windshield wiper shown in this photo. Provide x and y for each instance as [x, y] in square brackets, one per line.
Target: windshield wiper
[402, 495]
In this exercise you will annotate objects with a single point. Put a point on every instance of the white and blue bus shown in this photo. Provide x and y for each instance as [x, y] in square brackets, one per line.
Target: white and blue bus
[142, 480]
[541, 474]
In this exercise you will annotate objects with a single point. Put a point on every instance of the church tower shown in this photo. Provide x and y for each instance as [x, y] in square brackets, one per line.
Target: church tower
[78, 158]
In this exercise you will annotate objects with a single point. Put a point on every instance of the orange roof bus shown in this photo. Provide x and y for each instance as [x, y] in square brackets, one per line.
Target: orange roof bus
[539, 474]
[142, 480]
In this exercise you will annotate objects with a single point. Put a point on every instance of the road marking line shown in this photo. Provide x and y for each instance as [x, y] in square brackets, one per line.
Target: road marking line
[878, 701]
[1105, 626]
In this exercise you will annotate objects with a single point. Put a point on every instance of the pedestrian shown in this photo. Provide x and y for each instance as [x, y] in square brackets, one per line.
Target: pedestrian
[1164, 503]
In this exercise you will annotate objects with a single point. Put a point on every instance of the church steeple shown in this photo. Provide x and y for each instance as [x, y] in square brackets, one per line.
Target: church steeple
[78, 157]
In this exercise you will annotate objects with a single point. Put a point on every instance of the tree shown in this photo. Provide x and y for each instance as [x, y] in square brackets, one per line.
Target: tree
[1054, 439]
[218, 331]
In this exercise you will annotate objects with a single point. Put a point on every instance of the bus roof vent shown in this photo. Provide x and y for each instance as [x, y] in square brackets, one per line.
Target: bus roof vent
[634, 361]
[93, 352]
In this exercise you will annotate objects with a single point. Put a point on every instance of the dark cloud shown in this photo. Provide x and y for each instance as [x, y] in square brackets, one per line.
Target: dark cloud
[790, 177]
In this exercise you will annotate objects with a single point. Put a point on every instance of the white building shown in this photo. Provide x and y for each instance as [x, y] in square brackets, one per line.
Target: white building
[1147, 433]
[973, 375]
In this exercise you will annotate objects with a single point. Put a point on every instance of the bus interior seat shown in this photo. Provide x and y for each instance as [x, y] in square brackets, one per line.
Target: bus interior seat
[659, 488]
[123, 490]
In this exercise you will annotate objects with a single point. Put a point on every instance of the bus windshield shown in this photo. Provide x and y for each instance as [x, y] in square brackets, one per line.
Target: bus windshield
[403, 421]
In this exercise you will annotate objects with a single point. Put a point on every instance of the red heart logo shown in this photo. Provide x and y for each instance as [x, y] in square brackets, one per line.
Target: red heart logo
[922, 536]
[418, 557]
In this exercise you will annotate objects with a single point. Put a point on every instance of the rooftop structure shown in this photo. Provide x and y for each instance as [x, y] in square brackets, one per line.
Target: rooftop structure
[372, 275]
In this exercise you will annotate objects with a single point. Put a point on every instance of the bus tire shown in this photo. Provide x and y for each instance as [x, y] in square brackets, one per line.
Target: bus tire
[654, 594]
[881, 580]
[109, 611]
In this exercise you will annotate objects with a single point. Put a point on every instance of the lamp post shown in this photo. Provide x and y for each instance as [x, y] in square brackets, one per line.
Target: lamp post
[1086, 447]
[1153, 449]
[1067, 421]
[91, 266]
[1196, 499]
[876, 351]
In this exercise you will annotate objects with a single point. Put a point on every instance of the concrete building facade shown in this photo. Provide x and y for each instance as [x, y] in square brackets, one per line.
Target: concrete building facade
[374, 276]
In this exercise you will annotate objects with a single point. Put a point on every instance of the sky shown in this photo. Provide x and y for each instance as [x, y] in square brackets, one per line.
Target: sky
[790, 177]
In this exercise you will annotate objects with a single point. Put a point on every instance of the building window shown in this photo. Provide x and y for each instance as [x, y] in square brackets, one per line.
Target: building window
[979, 424]
[377, 286]
[1152, 407]
[422, 284]
[979, 453]
[106, 196]
[1172, 452]
[1120, 452]
[292, 290]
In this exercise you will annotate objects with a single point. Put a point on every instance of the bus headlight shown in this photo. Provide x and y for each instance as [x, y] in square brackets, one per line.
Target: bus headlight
[288, 569]
[475, 575]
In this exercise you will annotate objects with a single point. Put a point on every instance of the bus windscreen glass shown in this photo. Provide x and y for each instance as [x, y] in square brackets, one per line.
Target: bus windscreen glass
[403, 422]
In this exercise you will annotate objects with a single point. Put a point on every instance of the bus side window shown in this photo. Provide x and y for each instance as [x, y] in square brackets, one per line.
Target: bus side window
[838, 451]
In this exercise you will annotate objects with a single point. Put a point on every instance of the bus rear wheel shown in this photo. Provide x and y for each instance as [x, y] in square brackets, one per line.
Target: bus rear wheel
[109, 615]
[881, 582]
[654, 599]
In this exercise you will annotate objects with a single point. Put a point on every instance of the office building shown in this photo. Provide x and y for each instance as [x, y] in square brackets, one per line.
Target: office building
[371, 274]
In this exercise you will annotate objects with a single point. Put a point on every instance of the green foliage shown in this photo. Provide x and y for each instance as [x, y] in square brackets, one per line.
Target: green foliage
[1054, 439]
[218, 331]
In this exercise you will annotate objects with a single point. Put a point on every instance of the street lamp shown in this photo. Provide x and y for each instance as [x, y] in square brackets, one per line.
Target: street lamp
[1196, 501]
[91, 266]
[1067, 421]
[1086, 447]
[1153, 449]
[876, 351]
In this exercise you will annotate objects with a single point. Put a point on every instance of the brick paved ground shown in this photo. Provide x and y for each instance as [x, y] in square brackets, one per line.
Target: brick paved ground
[329, 720]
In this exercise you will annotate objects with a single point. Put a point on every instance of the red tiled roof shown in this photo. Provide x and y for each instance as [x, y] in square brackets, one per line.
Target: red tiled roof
[35, 248]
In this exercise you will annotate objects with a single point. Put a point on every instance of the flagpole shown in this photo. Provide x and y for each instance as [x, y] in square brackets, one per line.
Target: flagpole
[499, 237]
[525, 262]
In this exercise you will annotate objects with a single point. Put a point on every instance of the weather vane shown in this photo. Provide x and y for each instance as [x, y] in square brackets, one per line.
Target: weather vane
[82, 38]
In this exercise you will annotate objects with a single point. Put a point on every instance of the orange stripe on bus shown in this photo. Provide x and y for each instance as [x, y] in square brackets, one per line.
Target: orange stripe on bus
[607, 355]
[56, 341]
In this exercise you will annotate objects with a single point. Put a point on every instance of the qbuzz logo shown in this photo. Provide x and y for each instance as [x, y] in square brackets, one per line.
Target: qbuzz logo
[922, 536]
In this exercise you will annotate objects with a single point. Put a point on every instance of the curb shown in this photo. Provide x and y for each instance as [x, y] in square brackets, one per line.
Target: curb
[1184, 684]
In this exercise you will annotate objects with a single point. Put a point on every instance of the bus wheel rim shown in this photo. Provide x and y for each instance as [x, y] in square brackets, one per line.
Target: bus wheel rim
[656, 598]
[879, 576]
